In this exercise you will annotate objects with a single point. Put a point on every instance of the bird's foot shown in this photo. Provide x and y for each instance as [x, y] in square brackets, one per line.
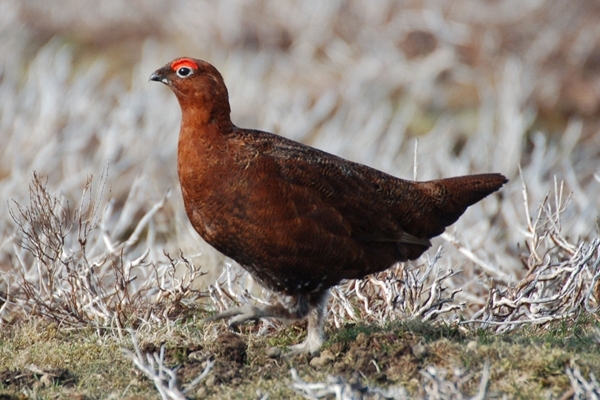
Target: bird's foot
[311, 345]
[241, 314]
[286, 311]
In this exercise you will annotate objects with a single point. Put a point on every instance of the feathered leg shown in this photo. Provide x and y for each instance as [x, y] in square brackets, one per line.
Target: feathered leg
[316, 319]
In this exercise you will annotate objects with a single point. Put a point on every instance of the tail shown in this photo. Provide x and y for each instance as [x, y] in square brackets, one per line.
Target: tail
[452, 196]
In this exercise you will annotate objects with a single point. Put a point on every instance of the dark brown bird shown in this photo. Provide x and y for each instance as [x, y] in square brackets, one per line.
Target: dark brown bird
[299, 219]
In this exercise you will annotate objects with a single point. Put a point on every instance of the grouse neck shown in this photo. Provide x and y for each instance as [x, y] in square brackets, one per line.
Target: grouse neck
[206, 116]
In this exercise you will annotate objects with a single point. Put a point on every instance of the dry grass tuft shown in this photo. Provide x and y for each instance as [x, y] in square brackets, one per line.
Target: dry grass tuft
[72, 272]
[561, 280]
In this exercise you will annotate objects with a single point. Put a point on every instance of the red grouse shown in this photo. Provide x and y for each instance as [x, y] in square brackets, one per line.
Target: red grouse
[299, 219]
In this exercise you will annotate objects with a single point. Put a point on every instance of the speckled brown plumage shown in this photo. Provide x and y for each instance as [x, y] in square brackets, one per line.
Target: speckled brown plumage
[298, 219]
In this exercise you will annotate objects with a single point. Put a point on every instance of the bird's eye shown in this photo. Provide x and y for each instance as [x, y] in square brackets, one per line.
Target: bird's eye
[184, 72]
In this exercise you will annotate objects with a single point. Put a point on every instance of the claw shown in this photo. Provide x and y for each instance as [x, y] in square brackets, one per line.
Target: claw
[311, 344]
[241, 314]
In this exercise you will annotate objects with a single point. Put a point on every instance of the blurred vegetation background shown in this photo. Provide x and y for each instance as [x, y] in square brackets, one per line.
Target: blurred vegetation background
[481, 85]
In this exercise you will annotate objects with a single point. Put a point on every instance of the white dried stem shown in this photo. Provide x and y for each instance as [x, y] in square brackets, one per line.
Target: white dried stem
[165, 379]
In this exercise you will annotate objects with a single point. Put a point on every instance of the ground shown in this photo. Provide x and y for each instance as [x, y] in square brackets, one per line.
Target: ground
[41, 361]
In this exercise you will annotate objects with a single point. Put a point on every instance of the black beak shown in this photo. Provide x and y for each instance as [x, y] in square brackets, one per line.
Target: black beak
[159, 76]
[155, 77]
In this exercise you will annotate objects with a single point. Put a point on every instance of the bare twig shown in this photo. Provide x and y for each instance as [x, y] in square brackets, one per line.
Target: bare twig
[165, 379]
